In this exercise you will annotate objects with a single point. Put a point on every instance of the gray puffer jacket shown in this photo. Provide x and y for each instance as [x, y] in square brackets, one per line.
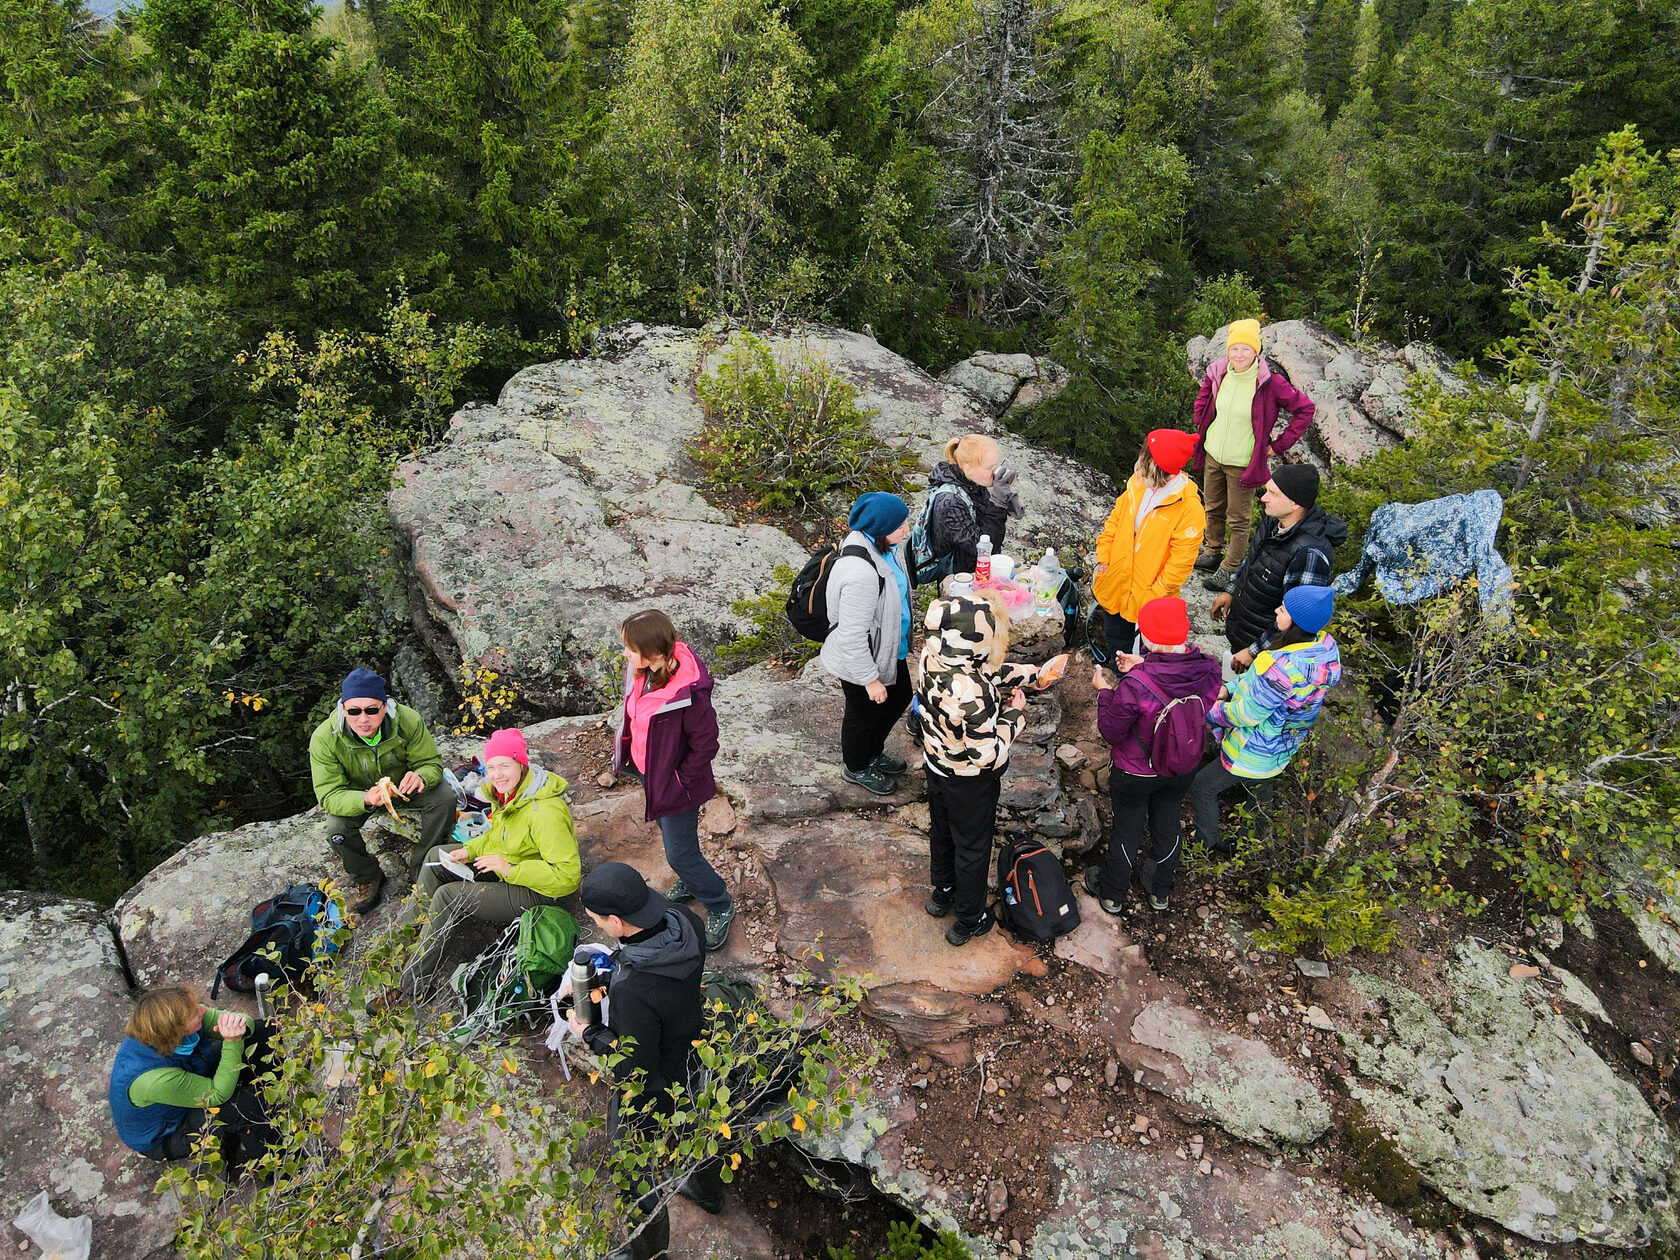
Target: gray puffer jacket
[865, 617]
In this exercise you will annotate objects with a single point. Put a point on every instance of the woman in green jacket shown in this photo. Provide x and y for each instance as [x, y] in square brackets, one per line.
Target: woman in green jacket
[527, 857]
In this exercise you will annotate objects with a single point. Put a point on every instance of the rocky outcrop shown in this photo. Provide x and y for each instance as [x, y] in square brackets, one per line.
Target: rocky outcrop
[1504, 1108]
[63, 1003]
[1360, 390]
[1006, 382]
[546, 518]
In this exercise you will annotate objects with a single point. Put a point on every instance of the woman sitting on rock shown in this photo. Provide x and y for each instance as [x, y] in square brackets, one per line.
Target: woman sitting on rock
[869, 638]
[1266, 713]
[970, 709]
[1130, 718]
[179, 1060]
[969, 494]
[528, 856]
[668, 734]
[1148, 547]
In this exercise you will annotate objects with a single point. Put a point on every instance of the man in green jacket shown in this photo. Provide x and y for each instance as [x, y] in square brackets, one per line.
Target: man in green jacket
[365, 740]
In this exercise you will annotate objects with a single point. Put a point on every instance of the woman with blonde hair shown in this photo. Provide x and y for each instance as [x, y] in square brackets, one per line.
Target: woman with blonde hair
[1147, 549]
[970, 493]
[180, 1061]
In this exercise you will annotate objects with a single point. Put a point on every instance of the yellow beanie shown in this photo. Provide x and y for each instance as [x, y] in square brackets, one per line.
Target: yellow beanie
[1244, 332]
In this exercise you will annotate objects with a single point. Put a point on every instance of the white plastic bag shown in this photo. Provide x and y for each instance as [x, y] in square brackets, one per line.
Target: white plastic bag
[58, 1239]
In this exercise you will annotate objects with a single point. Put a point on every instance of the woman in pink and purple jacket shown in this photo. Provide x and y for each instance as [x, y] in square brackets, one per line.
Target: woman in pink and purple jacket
[668, 734]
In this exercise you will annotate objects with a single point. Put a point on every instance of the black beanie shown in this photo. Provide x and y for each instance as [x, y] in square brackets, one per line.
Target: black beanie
[1298, 481]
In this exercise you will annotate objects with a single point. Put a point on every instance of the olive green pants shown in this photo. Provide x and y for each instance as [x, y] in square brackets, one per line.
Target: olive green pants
[451, 902]
[436, 807]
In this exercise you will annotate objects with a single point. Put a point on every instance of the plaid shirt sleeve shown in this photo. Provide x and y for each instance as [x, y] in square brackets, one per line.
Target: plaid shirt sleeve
[1309, 567]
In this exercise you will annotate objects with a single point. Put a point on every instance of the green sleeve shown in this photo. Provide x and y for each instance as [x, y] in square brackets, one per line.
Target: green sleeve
[557, 872]
[332, 787]
[423, 755]
[177, 1087]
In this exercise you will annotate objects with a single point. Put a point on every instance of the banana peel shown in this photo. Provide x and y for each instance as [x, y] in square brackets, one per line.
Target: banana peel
[387, 795]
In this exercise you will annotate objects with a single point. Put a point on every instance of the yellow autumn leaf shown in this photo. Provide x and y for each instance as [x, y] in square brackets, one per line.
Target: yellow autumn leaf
[432, 1070]
[508, 1065]
[725, 1130]
[496, 1109]
[735, 1160]
[799, 1123]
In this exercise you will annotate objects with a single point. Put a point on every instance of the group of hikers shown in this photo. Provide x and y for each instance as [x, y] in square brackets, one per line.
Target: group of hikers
[1159, 699]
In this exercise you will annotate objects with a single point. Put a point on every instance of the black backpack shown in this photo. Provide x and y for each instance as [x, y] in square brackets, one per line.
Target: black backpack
[807, 604]
[285, 930]
[1037, 903]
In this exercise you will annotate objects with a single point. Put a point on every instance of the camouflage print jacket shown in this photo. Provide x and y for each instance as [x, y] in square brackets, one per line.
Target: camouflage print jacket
[962, 715]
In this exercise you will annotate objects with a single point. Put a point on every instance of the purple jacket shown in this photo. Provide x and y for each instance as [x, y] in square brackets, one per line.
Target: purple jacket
[1271, 394]
[1126, 714]
[682, 740]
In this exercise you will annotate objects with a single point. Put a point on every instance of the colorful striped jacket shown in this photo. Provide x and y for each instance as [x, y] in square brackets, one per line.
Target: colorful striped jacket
[1273, 706]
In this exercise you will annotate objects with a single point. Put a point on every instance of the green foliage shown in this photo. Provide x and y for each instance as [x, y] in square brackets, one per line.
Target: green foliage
[904, 1242]
[1336, 918]
[789, 435]
[397, 1139]
[772, 637]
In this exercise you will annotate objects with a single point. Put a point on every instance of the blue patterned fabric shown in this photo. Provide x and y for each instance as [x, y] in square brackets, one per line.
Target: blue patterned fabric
[1420, 549]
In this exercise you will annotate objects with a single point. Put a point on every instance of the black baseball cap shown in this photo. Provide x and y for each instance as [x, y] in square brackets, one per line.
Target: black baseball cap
[618, 888]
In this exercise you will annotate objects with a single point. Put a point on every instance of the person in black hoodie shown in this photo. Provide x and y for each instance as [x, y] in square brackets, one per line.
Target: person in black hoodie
[655, 1001]
[1294, 546]
[979, 498]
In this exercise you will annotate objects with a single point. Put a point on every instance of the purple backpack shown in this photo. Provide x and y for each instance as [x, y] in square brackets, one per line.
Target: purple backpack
[1175, 745]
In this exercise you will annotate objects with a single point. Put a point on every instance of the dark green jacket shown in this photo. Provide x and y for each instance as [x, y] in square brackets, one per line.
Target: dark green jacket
[344, 766]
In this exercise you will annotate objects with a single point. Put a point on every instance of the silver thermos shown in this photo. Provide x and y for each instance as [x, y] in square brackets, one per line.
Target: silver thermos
[264, 1011]
[582, 974]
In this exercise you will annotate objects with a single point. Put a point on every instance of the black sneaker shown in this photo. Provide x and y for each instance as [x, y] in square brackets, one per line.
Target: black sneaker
[1157, 902]
[939, 902]
[1221, 580]
[1109, 905]
[870, 780]
[889, 765]
[1208, 561]
[959, 934]
[679, 892]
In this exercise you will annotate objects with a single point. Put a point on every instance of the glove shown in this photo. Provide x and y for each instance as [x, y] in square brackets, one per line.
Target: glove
[1003, 475]
[1004, 496]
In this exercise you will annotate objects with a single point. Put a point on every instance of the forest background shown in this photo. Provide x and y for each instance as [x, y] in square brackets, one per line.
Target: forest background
[253, 252]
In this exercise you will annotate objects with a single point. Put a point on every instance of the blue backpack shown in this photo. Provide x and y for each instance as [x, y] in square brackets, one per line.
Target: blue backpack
[925, 567]
[289, 932]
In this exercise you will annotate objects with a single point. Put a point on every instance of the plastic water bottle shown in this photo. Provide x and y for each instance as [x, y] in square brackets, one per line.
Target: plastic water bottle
[983, 559]
[1046, 594]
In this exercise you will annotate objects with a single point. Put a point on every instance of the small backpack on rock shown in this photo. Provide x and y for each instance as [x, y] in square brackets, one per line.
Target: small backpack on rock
[807, 603]
[1175, 744]
[289, 931]
[1036, 902]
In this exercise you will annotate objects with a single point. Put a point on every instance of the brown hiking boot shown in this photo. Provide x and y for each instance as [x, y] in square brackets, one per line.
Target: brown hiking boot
[368, 894]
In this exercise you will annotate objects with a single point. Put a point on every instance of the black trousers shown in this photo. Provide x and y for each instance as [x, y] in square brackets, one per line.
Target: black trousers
[1210, 781]
[963, 815]
[1139, 801]
[864, 729]
[241, 1124]
[1120, 634]
[703, 1184]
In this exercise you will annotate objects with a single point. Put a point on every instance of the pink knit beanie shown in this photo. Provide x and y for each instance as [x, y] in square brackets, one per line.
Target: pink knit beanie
[507, 743]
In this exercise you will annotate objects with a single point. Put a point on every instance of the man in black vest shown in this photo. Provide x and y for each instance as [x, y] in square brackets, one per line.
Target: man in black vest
[655, 1002]
[1294, 546]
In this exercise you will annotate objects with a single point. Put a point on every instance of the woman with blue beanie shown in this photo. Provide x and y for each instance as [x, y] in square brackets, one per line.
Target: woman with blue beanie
[1263, 717]
[869, 638]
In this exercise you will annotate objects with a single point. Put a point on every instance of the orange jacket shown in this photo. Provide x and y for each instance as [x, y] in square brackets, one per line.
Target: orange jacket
[1155, 562]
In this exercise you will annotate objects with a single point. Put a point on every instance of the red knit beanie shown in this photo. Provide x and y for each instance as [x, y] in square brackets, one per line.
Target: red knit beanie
[1171, 449]
[507, 743]
[1165, 622]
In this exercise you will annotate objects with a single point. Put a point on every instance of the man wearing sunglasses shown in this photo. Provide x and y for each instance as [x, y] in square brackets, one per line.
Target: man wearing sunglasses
[364, 740]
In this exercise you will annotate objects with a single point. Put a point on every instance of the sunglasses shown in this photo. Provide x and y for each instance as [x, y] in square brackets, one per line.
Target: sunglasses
[370, 712]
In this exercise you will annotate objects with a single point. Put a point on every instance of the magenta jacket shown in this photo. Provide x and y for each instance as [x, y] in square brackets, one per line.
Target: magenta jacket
[681, 742]
[1271, 395]
[1126, 714]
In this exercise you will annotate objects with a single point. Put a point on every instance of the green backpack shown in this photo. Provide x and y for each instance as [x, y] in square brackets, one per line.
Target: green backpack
[512, 979]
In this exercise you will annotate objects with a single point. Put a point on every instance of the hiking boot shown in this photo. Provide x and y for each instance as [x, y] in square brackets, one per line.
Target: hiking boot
[889, 765]
[717, 927]
[367, 895]
[1157, 902]
[679, 892]
[1109, 905]
[1208, 561]
[1221, 580]
[871, 780]
[939, 902]
[962, 933]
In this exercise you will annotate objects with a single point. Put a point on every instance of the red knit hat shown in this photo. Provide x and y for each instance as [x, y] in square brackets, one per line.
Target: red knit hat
[1165, 622]
[1171, 449]
[507, 743]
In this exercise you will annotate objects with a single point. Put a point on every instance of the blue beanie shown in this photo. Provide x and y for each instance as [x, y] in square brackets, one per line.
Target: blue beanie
[362, 683]
[1310, 607]
[878, 514]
